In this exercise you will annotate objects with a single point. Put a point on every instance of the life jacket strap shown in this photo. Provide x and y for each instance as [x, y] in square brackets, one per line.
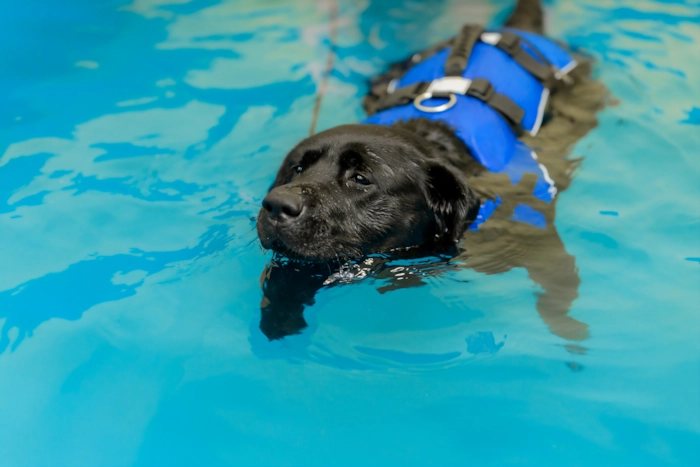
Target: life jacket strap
[483, 90]
[462, 48]
[479, 88]
[511, 44]
[400, 96]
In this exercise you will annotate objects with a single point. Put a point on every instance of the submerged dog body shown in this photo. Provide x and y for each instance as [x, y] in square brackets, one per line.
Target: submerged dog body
[360, 189]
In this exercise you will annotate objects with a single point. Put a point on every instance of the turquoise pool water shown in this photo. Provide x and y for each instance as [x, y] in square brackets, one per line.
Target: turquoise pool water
[137, 140]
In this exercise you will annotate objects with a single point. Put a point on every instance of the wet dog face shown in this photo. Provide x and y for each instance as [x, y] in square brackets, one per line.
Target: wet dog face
[360, 189]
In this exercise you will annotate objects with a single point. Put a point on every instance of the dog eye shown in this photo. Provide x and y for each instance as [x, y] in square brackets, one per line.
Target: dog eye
[298, 169]
[361, 179]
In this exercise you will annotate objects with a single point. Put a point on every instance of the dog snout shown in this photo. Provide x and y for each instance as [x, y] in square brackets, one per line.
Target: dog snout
[284, 205]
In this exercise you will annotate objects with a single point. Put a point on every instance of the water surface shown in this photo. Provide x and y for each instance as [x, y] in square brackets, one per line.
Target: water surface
[137, 140]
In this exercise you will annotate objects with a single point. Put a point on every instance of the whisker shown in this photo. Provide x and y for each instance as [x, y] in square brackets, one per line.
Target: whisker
[256, 239]
[250, 231]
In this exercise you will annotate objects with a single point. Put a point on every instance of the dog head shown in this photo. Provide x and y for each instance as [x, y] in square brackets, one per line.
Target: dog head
[360, 189]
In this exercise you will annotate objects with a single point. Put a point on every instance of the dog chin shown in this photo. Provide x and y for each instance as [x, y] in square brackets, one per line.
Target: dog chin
[288, 250]
[293, 254]
[284, 243]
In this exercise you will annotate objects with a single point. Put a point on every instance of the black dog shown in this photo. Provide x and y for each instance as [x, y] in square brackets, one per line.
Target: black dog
[360, 189]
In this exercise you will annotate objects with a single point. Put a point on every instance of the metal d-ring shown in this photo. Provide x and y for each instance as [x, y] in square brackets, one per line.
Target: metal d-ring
[418, 102]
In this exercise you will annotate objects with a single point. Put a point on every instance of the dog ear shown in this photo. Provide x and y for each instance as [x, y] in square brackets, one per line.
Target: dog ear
[453, 204]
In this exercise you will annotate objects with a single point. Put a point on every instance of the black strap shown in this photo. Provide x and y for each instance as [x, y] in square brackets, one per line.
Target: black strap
[462, 48]
[483, 90]
[510, 44]
[401, 96]
[479, 88]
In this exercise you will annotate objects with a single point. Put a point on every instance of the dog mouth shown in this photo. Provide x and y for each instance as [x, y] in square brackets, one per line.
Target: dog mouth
[280, 247]
[281, 241]
[313, 250]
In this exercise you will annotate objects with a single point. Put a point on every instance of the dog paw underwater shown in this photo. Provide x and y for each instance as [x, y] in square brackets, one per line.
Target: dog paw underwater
[461, 160]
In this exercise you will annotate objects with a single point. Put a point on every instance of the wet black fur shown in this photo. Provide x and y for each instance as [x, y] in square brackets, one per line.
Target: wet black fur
[414, 192]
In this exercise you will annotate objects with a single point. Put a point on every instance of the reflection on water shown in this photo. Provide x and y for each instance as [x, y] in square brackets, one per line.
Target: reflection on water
[137, 139]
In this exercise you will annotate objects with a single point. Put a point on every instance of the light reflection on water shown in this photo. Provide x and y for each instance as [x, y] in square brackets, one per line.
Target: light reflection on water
[137, 142]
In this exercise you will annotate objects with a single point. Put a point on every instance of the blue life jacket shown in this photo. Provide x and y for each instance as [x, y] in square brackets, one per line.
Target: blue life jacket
[518, 73]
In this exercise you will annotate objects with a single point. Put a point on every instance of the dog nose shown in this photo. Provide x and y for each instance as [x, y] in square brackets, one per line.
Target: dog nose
[283, 205]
